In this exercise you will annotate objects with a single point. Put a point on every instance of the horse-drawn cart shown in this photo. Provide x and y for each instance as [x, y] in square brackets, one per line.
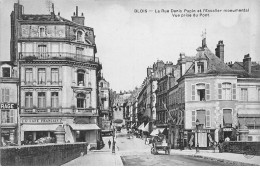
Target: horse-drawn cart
[159, 144]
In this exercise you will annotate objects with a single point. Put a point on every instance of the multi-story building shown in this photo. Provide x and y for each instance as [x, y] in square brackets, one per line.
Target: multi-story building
[9, 86]
[58, 73]
[104, 105]
[212, 95]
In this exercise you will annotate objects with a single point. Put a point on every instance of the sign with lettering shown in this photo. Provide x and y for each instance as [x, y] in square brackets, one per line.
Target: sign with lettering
[8, 106]
[41, 120]
[201, 131]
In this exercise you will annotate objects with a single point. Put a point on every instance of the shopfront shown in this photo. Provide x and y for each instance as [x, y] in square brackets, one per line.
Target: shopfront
[205, 138]
[34, 128]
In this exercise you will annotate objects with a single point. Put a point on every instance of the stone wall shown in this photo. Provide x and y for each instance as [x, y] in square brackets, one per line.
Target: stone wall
[41, 155]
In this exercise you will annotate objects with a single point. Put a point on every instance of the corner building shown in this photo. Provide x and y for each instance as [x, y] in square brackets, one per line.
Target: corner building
[58, 73]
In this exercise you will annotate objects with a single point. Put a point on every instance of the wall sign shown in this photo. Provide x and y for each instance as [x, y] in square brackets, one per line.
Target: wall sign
[8, 106]
[201, 131]
[41, 120]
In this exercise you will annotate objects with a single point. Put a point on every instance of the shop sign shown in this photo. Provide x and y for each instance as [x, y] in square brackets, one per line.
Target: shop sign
[201, 131]
[41, 120]
[227, 129]
[8, 106]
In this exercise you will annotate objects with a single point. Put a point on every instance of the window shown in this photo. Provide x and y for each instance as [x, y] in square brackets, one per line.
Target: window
[54, 75]
[6, 72]
[42, 51]
[227, 117]
[7, 116]
[28, 100]
[54, 99]
[41, 76]
[200, 67]
[193, 119]
[81, 76]
[81, 100]
[79, 36]
[42, 32]
[41, 100]
[244, 94]
[226, 91]
[200, 91]
[201, 116]
[5, 94]
[28, 75]
[258, 94]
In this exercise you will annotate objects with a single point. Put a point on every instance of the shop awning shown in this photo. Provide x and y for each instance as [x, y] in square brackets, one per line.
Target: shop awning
[146, 128]
[84, 127]
[227, 117]
[141, 126]
[155, 132]
[47, 127]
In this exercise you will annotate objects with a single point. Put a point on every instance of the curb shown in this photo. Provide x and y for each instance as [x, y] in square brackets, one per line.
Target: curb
[223, 160]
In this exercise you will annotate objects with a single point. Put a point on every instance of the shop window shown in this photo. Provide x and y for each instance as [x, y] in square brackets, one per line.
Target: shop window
[6, 72]
[81, 100]
[41, 76]
[28, 100]
[250, 138]
[5, 92]
[81, 77]
[54, 75]
[54, 99]
[7, 116]
[41, 100]
[244, 94]
[28, 75]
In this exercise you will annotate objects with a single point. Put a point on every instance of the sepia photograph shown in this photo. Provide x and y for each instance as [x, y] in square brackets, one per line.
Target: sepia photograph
[129, 83]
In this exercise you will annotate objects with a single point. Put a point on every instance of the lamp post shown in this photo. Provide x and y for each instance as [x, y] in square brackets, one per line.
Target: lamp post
[197, 130]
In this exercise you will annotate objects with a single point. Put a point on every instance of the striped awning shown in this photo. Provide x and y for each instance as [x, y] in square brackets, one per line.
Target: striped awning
[155, 132]
[141, 126]
[146, 128]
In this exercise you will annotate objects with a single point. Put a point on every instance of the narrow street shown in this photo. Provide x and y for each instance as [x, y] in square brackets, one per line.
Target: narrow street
[134, 152]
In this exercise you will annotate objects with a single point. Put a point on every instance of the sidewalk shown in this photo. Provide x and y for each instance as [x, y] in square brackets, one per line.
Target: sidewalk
[103, 157]
[236, 159]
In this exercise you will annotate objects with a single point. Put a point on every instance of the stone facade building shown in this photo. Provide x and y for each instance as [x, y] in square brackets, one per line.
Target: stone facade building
[58, 73]
[9, 103]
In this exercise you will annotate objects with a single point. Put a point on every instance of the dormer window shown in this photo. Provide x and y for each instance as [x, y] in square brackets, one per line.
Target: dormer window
[6, 72]
[79, 36]
[200, 67]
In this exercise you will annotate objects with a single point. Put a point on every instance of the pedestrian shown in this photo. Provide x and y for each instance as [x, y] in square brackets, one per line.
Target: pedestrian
[109, 144]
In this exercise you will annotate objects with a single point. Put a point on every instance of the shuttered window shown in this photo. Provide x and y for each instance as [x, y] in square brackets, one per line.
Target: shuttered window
[219, 91]
[5, 95]
[193, 118]
[207, 92]
[193, 92]
[208, 119]
[234, 91]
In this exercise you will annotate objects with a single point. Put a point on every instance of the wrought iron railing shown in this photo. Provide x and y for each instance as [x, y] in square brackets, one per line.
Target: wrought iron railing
[58, 55]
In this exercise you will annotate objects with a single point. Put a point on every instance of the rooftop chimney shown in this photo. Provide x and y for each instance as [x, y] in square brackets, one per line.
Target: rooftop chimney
[78, 19]
[247, 63]
[219, 51]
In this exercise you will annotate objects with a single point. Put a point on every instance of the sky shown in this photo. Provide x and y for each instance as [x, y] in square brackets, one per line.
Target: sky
[132, 35]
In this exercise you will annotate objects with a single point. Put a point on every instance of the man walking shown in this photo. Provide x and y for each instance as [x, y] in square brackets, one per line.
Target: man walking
[109, 144]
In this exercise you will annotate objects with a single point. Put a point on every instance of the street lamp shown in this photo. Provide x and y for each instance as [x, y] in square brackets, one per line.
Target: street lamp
[197, 130]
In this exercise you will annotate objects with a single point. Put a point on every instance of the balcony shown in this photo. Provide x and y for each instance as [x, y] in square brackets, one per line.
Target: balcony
[58, 56]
